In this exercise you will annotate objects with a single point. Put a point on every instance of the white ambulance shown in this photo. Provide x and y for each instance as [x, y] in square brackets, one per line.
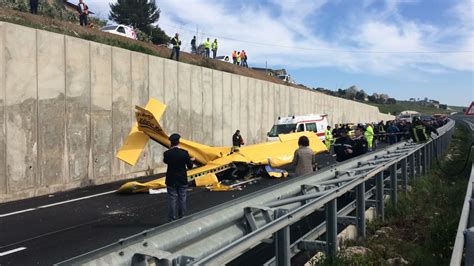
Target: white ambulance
[284, 125]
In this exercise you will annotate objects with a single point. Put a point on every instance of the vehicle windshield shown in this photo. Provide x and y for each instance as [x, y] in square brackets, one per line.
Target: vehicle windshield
[281, 129]
[109, 28]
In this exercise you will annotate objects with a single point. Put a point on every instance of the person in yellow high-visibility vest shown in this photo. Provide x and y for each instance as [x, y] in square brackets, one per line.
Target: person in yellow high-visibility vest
[214, 48]
[369, 136]
[328, 137]
[207, 46]
[238, 58]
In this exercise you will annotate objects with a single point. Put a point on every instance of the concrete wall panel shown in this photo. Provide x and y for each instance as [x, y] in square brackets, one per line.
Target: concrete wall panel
[271, 108]
[277, 103]
[244, 108]
[156, 90]
[101, 111]
[258, 111]
[294, 102]
[227, 129]
[78, 107]
[267, 101]
[217, 108]
[170, 118]
[284, 101]
[52, 160]
[252, 111]
[207, 109]
[156, 77]
[21, 107]
[184, 100]
[121, 105]
[197, 105]
[307, 97]
[3, 176]
[235, 102]
[140, 95]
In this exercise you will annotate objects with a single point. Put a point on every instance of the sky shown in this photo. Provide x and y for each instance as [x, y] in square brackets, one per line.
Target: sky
[404, 48]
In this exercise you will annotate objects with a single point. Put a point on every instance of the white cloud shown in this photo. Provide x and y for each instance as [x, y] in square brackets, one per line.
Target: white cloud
[384, 32]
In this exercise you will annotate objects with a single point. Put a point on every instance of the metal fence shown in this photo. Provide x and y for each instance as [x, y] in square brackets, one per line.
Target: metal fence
[222, 233]
[464, 244]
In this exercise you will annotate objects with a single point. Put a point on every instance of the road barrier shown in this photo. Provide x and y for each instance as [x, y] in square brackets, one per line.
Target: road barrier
[222, 233]
[464, 243]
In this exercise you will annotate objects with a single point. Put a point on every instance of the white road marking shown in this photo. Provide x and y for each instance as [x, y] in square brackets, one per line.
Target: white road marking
[11, 251]
[56, 204]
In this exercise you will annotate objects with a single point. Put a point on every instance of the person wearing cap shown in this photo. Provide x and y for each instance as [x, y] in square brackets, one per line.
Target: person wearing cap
[342, 146]
[359, 143]
[178, 161]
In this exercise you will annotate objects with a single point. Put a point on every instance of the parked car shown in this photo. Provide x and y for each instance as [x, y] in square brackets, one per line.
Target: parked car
[286, 78]
[121, 30]
[224, 58]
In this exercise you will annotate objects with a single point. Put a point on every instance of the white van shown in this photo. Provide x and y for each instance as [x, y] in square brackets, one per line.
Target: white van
[314, 122]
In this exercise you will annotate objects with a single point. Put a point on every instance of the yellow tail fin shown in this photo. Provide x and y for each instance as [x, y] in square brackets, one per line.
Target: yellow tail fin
[148, 120]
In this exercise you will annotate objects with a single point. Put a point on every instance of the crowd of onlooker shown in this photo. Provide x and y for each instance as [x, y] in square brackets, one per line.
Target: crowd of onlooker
[349, 140]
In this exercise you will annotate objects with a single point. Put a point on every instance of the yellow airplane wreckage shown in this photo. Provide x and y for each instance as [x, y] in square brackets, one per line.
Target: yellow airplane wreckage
[214, 162]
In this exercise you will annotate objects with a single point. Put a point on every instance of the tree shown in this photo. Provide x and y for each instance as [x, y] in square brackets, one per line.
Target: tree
[138, 13]
[158, 36]
[351, 92]
[360, 95]
[391, 101]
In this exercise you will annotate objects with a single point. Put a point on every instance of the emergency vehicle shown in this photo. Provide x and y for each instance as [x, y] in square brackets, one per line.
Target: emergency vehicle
[316, 123]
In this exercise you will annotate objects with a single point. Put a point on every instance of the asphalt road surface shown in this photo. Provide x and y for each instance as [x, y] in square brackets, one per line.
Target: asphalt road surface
[52, 228]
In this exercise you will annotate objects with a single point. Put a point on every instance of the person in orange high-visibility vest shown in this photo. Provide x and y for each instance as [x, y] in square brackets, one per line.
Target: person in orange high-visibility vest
[243, 57]
[234, 57]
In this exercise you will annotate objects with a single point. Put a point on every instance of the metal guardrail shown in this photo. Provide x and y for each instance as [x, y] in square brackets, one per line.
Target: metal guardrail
[464, 244]
[222, 233]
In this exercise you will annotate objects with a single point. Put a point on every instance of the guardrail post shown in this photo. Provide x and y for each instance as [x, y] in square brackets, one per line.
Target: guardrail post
[423, 161]
[418, 163]
[393, 184]
[470, 220]
[379, 195]
[428, 155]
[404, 175]
[431, 154]
[360, 191]
[469, 246]
[282, 242]
[331, 228]
[412, 166]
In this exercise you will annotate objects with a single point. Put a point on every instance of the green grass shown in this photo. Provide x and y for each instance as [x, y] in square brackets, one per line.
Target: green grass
[404, 106]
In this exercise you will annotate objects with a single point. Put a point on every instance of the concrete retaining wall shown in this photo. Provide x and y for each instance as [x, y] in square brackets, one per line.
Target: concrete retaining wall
[66, 106]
